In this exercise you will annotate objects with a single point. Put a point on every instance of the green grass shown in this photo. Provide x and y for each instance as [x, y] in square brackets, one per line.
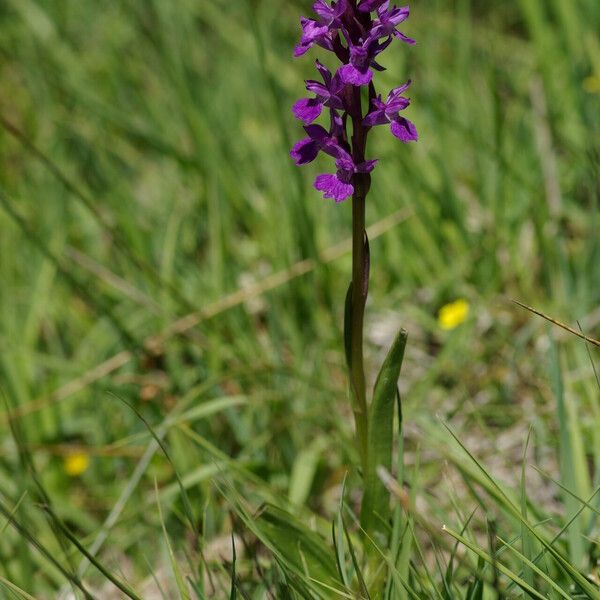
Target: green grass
[145, 176]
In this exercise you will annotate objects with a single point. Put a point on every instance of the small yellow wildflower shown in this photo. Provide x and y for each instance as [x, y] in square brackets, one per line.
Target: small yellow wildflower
[453, 314]
[591, 84]
[76, 463]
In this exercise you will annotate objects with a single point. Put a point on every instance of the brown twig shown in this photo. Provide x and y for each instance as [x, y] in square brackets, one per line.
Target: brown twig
[558, 323]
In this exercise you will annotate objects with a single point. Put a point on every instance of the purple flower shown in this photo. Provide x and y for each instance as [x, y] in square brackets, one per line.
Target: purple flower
[306, 150]
[358, 71]
[320, 31]
[330, 14]
[387, 21]
[338, 186]
[312, 33]
[389, 112]
[327, 94]
[362, 58]
[370, 5]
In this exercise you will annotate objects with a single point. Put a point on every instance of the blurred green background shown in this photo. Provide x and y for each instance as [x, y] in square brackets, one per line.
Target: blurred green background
[158, 247]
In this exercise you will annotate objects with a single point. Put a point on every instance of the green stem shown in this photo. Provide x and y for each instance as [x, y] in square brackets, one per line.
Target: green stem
[360, 283]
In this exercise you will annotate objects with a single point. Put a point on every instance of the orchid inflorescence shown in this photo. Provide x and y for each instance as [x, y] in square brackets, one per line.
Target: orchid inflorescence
[356, 37]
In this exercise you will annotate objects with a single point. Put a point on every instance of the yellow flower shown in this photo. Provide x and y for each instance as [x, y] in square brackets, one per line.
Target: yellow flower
[591, 84]
[453, 314]
[76, 463]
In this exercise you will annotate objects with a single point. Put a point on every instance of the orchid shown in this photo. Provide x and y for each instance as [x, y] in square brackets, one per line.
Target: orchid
[327, 94]
[387, 21]
[320, 31]
[357, 33]
[389, 112]
[339, 185]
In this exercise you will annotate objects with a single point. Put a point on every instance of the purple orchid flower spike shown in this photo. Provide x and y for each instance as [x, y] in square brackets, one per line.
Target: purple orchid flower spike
[339, 186]
[320, 31]
[389, 112]
[327, 94]
[356, 36]
[387, 21]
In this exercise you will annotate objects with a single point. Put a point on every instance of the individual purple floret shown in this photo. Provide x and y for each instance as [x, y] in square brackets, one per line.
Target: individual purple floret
[362, 59]
[330, 14]
[327, 94]
[387, 21]
[357, 33]
[389, 112]
[339, 186]
[320, 31]
[358, 70]
[306, 150]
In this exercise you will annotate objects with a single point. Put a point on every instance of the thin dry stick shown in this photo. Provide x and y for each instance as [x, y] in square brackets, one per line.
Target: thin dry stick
[559, 324]
[183, 325]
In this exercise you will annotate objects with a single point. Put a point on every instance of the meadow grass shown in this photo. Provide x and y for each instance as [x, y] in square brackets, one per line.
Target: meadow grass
[174, 406]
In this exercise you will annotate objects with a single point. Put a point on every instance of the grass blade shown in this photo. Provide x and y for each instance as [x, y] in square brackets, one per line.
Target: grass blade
[375, 507]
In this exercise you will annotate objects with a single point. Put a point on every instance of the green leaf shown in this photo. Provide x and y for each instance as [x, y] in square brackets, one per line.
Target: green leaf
[375, 507]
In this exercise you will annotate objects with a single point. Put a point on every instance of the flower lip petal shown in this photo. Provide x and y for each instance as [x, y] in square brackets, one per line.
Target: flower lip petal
[350, 74]
[307, 109]
[333, 187]
[404, 130]
[305, 151]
